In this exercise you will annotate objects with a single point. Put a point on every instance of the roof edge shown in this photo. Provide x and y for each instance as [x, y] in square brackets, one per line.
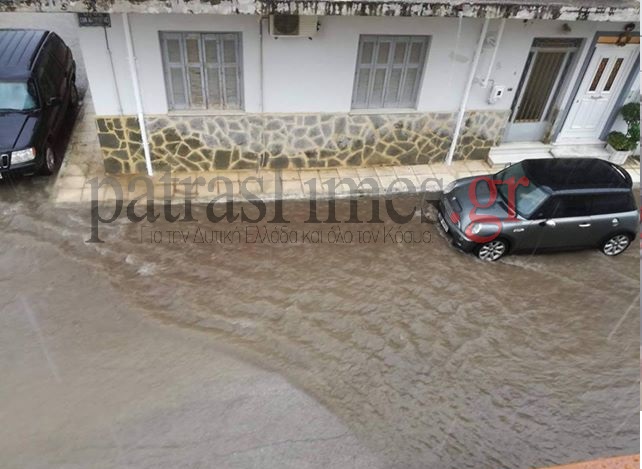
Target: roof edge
[569, 10]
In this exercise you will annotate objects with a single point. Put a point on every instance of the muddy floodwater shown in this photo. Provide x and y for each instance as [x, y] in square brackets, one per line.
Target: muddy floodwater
[430, 357]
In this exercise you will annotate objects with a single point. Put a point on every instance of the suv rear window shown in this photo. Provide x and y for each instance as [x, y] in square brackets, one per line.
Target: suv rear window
[58, 49]
[50, 76]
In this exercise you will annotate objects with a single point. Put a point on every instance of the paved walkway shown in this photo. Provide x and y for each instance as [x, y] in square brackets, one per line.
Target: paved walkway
[268, 185]
[83, 163]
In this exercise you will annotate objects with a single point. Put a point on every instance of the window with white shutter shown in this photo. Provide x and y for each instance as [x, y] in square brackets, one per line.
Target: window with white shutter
[203, 70]
[389, 71]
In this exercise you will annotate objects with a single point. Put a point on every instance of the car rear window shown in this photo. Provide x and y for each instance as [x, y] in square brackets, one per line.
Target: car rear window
[612, 203]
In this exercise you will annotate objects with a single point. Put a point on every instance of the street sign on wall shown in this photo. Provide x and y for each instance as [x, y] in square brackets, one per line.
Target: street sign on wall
[94, 19]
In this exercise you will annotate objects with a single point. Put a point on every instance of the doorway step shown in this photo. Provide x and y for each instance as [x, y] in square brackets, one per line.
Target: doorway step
[514, 152]
[592, 150]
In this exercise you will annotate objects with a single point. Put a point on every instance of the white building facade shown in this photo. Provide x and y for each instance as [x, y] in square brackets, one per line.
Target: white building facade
[223, 86]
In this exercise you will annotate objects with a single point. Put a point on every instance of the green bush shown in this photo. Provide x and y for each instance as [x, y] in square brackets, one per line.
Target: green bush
[631, 113]
[634, 133]
[619, 141]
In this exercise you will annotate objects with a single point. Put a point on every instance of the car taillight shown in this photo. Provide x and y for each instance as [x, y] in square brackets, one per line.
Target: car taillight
[454, 217]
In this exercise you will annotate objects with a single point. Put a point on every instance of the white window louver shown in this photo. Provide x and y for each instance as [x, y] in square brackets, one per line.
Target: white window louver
[203, 70]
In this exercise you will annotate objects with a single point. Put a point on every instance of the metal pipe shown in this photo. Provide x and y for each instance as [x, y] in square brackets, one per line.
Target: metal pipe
[469, 84]
[498, 40]
[139, 102]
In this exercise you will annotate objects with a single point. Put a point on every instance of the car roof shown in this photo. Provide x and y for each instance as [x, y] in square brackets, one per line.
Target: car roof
[565, 174]
[18, 50]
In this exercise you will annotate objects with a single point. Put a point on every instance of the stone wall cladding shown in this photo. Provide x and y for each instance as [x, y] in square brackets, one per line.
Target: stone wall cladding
[211, 143]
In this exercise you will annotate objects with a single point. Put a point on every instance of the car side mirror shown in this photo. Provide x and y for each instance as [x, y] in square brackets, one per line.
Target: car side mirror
[549, 223]
[54, 101]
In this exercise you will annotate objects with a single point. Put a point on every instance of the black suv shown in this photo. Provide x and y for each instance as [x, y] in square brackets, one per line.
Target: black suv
[37, 88]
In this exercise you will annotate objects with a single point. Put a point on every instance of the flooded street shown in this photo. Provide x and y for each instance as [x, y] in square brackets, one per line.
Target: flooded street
[415, 354]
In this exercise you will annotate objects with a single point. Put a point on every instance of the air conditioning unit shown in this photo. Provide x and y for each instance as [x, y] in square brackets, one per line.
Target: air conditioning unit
[293, 25]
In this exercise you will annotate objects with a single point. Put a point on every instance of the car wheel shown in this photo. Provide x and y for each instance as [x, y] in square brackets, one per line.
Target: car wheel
[492, 250]
[50, 163]
[616, 244]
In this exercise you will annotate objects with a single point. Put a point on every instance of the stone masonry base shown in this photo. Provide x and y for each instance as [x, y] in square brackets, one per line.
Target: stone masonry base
[250, 141]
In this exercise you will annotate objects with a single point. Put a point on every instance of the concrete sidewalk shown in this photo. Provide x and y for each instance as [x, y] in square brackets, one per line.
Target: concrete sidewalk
[267, 185]
[83, 163]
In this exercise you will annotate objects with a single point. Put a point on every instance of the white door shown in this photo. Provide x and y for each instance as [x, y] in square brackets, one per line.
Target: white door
[598, 92]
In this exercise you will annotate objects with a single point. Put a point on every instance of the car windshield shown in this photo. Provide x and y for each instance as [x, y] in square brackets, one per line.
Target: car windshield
[15, 96]
[527, 198]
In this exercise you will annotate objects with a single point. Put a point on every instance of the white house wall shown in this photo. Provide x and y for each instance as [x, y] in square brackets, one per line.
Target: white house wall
[317, 75]
[313, 78]
[513, 53]
[145, 35]
[302, 75]
[111, 97]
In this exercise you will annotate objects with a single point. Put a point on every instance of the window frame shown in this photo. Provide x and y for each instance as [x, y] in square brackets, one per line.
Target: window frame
[549, 207]
[393, 40]
[625, 204]
[571, 48]
[205, 68]
[49, 76]
[59, 50]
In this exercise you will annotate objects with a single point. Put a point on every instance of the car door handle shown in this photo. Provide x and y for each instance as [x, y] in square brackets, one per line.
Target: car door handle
[584, 225]
[518, 230]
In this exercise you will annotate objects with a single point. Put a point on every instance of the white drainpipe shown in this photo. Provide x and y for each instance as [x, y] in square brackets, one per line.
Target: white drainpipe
[464, 101]
[139, 101]
[498, 40]
[262, 87]
[113, 72]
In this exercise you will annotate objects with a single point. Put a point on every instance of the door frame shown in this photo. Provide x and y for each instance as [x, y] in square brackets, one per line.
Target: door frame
[557, 126]
[569, 64]
[619, 102]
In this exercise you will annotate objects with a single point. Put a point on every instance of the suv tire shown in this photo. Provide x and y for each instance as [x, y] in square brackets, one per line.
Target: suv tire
[616, 244]
[50, 162]
[492, 250]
